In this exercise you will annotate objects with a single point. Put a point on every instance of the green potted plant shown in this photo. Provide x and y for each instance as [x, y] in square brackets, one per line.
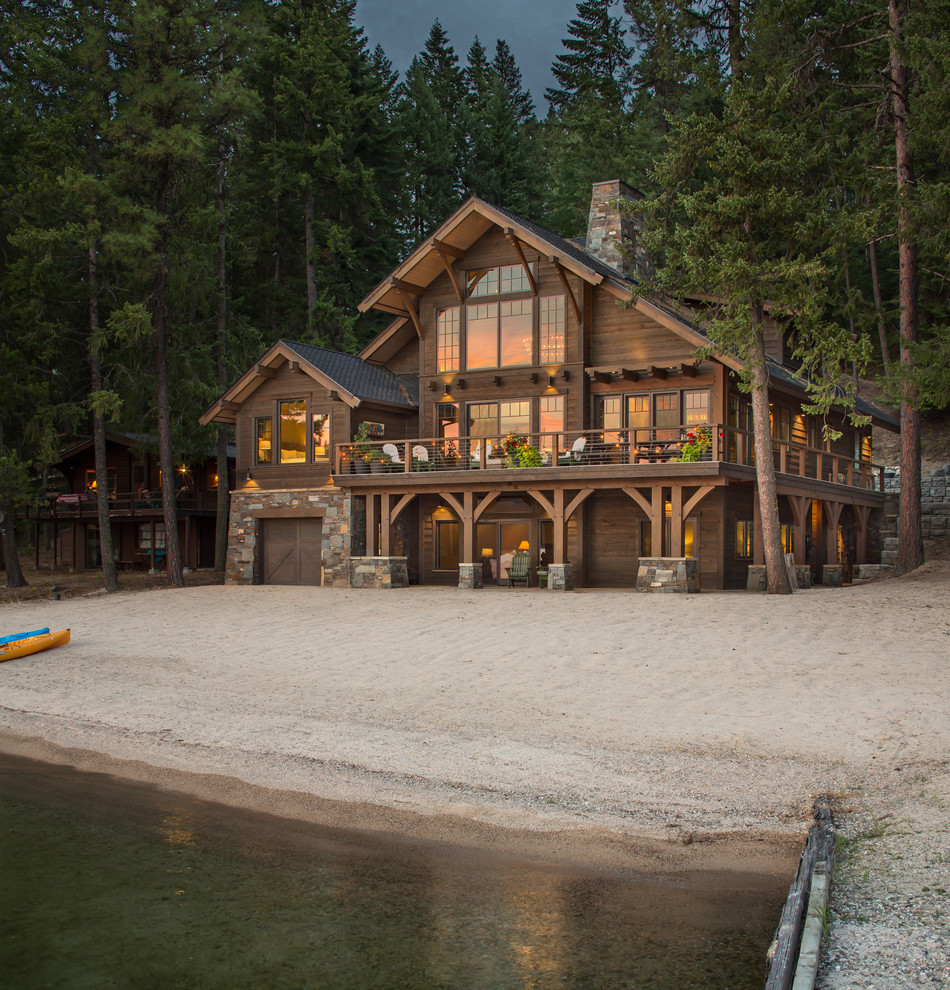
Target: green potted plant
[696, 441]
[530, 456]
[362, 454]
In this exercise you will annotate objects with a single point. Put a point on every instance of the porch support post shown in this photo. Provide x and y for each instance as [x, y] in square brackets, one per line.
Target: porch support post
[385, 525]
[799, 505]
[861, 514]
[370, 525]
[676, 521]
[832, 515]
[758, 550]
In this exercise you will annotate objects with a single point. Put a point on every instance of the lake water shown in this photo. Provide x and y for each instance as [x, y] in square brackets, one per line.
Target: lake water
[108, 884]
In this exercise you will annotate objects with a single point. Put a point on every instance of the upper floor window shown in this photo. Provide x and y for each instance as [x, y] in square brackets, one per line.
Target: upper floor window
[110, 476]
[263, 429]
[293, 437]
[551, 330]
[448, 335]
[550, 418]
[320, 435]
[499, 334]
[498, 281]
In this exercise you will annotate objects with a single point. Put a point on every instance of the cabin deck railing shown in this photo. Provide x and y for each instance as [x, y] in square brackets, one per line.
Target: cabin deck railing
[78, 505]
[579, 448]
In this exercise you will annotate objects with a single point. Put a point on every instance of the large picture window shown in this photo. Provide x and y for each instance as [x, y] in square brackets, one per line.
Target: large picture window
[293, 437]
[491, 419]
[550, 418]
[499, 335]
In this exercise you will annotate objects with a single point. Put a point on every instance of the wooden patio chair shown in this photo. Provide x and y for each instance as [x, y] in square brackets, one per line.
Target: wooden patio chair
[520, 570]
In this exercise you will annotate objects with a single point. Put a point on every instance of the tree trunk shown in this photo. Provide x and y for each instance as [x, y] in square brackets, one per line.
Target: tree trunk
[106, 549]
[311, 266]
[165, 460]
[775, 569]
[910, 547]
[221, 522]
[15, 578]
[878, 306]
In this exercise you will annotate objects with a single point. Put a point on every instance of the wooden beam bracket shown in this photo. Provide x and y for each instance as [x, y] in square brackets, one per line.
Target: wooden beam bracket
[629, 376]
[510, 234]
[562, 275]
[660, 373]
[263, 371]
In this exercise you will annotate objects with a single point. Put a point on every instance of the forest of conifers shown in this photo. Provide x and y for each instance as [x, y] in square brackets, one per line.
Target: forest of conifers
[185, 181]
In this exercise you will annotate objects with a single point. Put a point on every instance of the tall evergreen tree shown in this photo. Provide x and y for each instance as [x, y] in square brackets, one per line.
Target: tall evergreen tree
[508, 72]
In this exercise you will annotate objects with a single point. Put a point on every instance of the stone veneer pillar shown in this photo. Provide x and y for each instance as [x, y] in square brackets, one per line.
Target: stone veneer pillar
[250, 506]
[470, 576]
[560, 577]
[379, 572]
[672, 575]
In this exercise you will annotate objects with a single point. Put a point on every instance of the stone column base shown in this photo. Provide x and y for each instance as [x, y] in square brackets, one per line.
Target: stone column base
[379, 572]
[470, 576]
[669, 575]
[758, 579]
[560, 577]
[832, 575]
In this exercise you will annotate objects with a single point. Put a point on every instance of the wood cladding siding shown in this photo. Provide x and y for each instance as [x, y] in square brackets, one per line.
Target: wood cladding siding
[624, 337]
[613, 542]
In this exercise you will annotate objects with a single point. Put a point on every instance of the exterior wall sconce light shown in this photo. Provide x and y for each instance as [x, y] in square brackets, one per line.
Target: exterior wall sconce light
[446, 393]
[551, 389]
[248, 476]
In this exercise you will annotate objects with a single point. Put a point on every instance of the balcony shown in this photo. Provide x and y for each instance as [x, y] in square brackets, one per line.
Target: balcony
[674, 451]
[83, 505]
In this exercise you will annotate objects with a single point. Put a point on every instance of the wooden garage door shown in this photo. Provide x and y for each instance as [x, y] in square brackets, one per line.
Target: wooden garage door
[292, 551]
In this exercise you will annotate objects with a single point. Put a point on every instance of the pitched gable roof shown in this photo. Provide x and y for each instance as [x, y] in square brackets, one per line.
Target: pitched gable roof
[354, 380]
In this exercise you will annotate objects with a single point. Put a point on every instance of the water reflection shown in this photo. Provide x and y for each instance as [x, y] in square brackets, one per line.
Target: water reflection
[119, 886]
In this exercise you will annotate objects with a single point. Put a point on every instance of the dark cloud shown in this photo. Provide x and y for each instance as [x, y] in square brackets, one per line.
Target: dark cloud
[533, 29]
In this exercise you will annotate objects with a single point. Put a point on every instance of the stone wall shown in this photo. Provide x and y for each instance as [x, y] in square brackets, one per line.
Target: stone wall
[379, 572]
[672, 575]
[934, 510]
[248, 507]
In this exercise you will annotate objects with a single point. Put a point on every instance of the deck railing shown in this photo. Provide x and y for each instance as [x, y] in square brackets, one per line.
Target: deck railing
[83, 504]
[577, 449]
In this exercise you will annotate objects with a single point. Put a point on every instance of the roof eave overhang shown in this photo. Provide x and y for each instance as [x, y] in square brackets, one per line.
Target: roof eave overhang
[224, 410]
[377, 299]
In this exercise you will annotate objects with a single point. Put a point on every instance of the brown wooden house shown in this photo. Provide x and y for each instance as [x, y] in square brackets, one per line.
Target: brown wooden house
[135, 506]
[526, 398]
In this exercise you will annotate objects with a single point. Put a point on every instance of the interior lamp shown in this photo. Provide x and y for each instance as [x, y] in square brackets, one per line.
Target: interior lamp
[523, 546]
[487, 552]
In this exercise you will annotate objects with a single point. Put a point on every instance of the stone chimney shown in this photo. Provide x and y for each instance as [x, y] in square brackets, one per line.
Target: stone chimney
[613, 228]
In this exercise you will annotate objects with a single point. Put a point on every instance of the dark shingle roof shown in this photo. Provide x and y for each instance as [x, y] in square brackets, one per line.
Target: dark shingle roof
[366, 381]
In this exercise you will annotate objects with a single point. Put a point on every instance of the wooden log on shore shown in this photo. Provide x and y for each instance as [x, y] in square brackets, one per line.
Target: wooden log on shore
[819, 848]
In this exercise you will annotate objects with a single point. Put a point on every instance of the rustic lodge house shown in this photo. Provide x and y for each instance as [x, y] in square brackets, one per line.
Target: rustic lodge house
[528, 413]
[70, 509]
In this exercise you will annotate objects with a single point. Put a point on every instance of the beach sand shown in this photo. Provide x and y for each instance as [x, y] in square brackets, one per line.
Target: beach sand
[677, 733]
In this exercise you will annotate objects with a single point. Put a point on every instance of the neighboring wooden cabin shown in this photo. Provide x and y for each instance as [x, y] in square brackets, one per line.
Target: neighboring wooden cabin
[501, 330]
[135, 507]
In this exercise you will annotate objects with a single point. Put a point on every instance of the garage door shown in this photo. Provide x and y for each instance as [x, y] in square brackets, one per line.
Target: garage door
[292, 551]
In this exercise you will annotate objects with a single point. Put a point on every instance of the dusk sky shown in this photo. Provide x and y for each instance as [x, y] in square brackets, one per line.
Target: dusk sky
[532, 28]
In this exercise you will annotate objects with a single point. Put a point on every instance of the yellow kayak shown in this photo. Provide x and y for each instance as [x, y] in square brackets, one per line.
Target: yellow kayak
[33, 644]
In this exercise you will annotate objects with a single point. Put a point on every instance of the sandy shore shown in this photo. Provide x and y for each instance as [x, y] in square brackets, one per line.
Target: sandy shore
[693, 732]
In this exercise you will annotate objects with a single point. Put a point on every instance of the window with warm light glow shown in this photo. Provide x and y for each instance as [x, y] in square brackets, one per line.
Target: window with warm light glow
[263, 429]
[516, 330]
[744, 530]
[550, 418]
[448, 339]
[320, 435]
[293, 437]
[498, 281]
[666, 413]
[695, 407]
[788, 538]
[551, 329]
[447, 414]
[91, 480]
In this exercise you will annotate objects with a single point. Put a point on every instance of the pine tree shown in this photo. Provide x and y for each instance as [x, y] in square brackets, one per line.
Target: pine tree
[508, 72]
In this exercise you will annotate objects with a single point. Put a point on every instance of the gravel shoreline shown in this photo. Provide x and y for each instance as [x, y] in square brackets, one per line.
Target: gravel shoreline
[693, 733]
